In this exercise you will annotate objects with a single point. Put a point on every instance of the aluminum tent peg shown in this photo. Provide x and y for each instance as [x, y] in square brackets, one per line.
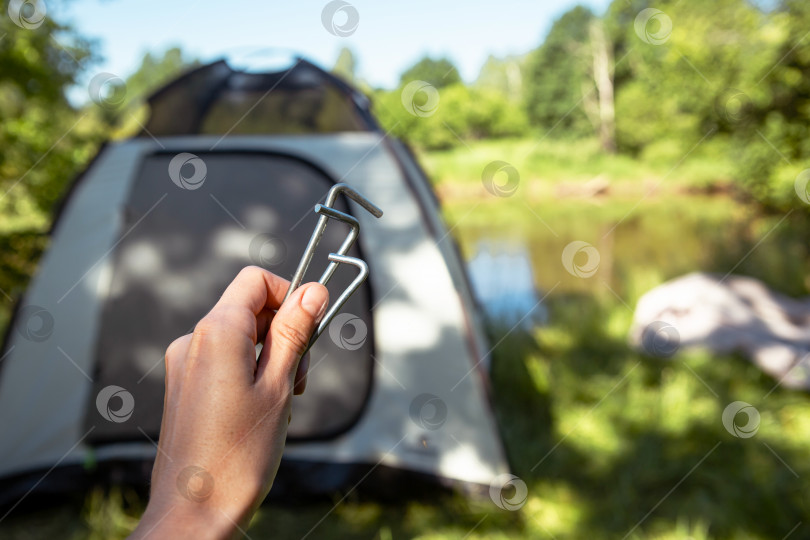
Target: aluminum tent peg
[325, 213]
[320, 228]
[345, 295]
[347, 243]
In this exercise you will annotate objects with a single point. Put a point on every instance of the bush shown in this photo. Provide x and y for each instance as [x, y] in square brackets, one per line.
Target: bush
[459, 114]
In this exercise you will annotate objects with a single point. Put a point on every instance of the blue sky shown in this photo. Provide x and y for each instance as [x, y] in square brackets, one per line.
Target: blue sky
[389, 37]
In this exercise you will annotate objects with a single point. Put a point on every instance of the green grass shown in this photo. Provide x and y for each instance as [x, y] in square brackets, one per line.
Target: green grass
[554, 161]
[601, 434]
[609, 442]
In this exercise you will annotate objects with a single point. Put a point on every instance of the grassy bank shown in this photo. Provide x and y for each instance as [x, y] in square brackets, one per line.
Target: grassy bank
[610, 443]
[557, 161]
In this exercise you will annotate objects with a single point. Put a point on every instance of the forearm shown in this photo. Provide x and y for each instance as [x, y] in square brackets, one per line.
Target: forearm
[186, 519]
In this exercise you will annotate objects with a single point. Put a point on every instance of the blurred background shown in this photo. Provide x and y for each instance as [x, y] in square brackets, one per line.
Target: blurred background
[656, 138]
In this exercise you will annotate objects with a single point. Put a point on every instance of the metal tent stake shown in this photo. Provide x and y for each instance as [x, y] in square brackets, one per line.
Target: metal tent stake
[326, 212]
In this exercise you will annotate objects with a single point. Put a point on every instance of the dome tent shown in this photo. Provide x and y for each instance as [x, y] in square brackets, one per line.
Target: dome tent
[225, 174]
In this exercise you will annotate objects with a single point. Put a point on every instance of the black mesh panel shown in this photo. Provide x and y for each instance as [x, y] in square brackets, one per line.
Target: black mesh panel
[178, 251]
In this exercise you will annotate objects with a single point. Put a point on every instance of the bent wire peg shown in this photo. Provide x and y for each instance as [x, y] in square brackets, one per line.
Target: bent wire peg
[344, 297]
[326, 212]
[354, 230]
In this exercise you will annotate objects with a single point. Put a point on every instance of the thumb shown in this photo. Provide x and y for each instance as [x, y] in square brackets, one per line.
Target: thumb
[291, 330]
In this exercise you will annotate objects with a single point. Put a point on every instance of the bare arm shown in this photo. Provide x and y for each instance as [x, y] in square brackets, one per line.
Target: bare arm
[225, 415]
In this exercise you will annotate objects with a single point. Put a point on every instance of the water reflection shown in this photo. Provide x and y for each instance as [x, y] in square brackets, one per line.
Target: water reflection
[510, 257]
[503, 283]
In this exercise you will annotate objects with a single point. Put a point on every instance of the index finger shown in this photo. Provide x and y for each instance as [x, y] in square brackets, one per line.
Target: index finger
[255, 288]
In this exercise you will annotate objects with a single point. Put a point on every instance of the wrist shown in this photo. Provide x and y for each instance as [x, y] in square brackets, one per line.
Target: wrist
[180, 518]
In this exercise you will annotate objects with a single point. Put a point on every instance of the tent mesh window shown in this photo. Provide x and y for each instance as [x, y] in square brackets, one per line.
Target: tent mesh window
[315, 110]
[215, 100]
[252, 208]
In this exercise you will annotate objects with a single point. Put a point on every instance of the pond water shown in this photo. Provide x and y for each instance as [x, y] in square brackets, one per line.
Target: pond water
[516, 253]
[502, 279]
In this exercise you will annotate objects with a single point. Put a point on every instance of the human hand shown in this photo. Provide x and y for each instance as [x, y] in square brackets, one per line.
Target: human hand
[225, 415]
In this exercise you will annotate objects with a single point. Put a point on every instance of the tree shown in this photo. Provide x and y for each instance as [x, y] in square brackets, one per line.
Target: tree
[598, 100]
[460, 113]
[772, 134]
[439, 73]
[156, 70]
[504, 76]
[345, 65]
[42, 137]
[558, 76]
[678, 92]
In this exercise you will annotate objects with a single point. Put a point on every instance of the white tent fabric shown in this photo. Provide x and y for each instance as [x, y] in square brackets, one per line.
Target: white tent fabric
[428, 338]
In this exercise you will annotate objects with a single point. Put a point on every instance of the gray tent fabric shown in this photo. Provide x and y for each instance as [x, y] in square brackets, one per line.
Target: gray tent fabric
[427, 409]
[726, 314]
[157, 227]
[45, 381]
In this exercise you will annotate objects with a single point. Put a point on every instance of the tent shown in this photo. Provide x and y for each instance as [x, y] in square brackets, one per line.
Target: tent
[224, 174]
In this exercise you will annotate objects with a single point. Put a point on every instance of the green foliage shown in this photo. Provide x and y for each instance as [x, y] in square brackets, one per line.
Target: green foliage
[19, 253]
[504, 76]
[111, 514]
[728, 74]
[682, 89]
[773, 136]
[557, 76]
[605, 438]
[156, 70]
[605, 434]
[437, 72]
[46, 141]
[345, 65]
[460, 114]
[724, 99]
[41, 136]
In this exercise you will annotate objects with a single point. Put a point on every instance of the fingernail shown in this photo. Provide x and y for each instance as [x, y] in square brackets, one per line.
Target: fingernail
[314, 302]
[301, 375]
[303, 365]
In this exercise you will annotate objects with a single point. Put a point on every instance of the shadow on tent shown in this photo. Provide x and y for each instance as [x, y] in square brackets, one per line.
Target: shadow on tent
[145, 243]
